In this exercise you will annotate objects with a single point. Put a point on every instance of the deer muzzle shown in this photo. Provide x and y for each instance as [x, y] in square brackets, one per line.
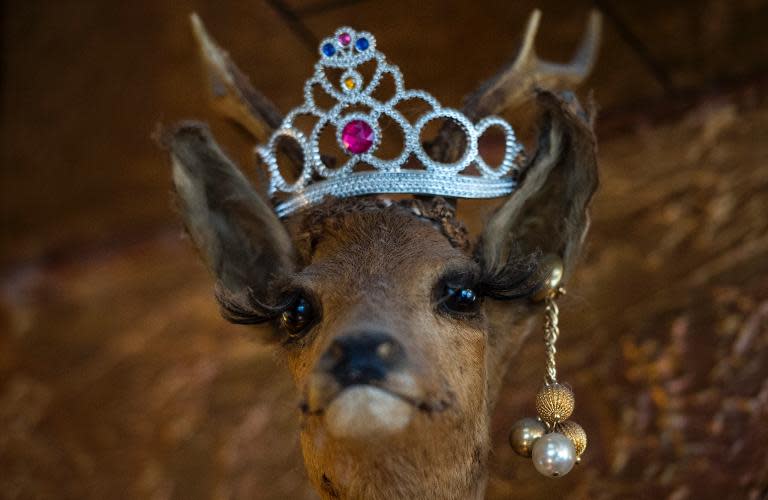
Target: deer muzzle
[362, 386]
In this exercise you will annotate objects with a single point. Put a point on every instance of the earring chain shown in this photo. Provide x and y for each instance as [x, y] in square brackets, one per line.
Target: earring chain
[551, 333]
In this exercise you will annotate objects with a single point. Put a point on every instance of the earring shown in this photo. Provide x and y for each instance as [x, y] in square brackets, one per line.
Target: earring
[553, 442]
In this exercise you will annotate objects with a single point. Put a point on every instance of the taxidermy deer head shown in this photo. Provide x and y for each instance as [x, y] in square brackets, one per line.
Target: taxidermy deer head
[396, 326]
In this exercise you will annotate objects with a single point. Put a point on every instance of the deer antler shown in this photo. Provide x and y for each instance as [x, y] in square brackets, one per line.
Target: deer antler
[231, 92]
[234, 96]
[516, 81]
[514, 84]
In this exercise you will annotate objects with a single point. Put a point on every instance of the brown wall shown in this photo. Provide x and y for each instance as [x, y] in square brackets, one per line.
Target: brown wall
[117, 379]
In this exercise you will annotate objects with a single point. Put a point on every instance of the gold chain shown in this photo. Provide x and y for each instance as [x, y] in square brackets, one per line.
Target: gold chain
[551, 333]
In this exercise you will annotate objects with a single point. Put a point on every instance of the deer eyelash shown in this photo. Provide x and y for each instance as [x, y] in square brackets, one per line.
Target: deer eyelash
[519, 277]
[251, 310]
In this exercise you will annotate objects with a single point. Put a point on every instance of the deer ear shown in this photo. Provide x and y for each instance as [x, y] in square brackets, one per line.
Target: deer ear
[548, 212]
[237, 233]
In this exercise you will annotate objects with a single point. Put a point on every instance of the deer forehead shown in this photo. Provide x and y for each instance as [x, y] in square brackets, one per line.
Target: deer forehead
[376, 250]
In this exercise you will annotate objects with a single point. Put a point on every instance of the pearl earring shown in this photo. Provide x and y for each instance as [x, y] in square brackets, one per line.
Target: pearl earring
[553, 442]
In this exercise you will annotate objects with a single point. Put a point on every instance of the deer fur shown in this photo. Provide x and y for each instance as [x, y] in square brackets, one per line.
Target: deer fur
[369, 264]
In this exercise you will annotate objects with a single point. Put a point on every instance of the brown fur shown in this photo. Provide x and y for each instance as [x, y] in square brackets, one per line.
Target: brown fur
[314, 223]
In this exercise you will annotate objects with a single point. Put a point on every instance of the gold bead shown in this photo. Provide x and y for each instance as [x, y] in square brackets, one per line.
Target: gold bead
[524, 433]
[554, 403]
[349, 83]
[575, 433]
[551, 266]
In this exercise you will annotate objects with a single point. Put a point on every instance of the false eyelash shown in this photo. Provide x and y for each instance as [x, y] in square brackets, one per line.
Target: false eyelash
[519, 277]
[252, 310]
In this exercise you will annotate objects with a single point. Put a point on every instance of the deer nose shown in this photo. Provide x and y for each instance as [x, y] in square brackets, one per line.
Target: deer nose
[362, 358]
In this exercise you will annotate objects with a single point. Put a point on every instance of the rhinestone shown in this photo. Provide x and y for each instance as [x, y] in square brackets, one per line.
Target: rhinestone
[329, 49]
[357, 136]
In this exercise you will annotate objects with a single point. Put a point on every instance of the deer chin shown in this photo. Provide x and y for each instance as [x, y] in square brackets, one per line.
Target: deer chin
[366, 411]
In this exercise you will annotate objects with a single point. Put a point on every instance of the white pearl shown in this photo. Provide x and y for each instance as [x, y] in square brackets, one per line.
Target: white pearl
[553, 455]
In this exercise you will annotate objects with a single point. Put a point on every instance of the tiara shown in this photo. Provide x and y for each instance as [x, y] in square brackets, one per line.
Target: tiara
[359, 135]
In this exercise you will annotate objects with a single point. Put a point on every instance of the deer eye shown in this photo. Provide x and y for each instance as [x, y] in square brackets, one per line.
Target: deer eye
[461, 300]
[298, 317]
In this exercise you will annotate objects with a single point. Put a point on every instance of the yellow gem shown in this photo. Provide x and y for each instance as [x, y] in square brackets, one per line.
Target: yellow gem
[349, 83]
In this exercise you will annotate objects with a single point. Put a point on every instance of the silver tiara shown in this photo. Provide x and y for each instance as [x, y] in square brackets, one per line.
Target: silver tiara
[359, 134]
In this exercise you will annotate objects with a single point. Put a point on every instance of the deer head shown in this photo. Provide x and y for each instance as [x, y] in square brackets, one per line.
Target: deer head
[396, 327]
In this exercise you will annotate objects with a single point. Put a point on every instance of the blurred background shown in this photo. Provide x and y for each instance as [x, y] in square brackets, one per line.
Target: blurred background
[118, 379]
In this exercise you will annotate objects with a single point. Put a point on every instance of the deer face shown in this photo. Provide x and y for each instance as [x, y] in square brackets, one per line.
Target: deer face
[390, 344]
[396, 329]
[381, 316]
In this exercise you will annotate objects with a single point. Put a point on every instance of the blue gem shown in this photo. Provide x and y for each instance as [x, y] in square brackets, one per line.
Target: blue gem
[362, 44]
[329, 49]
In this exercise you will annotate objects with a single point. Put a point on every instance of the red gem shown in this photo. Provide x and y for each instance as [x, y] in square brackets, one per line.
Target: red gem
[357, 136]
[345, 38]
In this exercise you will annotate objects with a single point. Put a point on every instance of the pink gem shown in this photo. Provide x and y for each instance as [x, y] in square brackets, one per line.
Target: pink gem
[345, 38]
[357, 136]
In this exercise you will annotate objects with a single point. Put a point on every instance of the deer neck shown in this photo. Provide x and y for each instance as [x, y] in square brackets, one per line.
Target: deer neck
[422, 463]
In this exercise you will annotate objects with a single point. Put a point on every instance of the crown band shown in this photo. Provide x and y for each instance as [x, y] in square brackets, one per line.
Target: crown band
[416, 182]
[359, 135]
